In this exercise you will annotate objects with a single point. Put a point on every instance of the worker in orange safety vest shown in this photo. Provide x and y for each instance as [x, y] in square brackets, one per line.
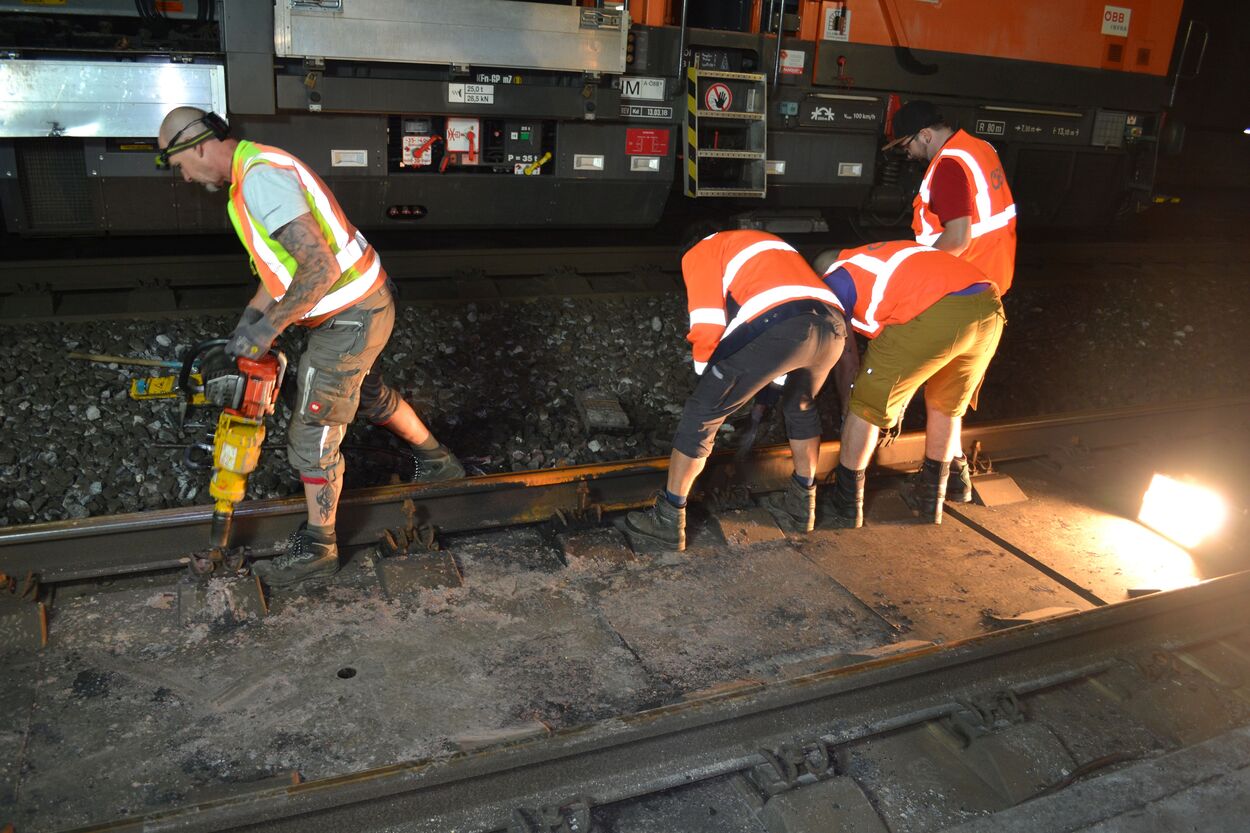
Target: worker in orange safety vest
[758, 315]
[933, 319]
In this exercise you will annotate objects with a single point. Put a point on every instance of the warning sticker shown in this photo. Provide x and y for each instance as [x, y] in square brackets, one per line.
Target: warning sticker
[1115, 21]
[837, 23]
[418, 151]
[718, 97]
[646, 141]
[792, 61]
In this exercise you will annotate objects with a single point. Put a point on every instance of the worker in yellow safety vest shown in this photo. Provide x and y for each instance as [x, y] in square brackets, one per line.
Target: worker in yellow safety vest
[317, 271]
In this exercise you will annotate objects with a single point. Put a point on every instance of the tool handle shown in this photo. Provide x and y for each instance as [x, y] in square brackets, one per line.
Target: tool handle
[106, 359]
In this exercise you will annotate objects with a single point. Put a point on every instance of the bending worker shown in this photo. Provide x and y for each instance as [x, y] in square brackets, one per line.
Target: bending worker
[316, 270]
[964, 207]
[933, 319]
[757, 312]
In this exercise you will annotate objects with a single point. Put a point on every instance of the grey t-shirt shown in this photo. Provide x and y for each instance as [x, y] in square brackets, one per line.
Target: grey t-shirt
[273, 196]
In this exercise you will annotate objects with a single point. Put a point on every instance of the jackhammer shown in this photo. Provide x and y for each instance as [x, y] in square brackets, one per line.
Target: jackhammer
[247, 391]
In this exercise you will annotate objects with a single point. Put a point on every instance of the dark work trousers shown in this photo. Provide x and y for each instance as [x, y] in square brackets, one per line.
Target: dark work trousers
[803, 349]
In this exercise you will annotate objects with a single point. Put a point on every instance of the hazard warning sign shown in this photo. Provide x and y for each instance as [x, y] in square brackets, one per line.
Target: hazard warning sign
[718, 97]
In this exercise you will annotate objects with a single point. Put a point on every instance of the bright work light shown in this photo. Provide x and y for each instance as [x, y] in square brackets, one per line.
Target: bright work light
[1184, 512]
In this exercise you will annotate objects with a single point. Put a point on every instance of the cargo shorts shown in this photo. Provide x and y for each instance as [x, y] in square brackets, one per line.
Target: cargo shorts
[947, 348]
[339, 376]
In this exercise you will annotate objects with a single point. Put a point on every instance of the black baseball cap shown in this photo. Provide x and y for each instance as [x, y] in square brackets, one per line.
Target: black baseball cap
[911, 118]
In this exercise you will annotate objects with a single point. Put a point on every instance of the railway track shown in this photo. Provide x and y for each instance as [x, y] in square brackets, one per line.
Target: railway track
[111, 286]
[919, 678]
[94, 548]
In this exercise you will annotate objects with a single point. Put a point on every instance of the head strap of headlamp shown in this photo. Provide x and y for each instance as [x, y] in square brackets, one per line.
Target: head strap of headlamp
[215, 128]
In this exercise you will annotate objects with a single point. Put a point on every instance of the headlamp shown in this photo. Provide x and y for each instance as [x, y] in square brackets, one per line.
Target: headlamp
[174, 146]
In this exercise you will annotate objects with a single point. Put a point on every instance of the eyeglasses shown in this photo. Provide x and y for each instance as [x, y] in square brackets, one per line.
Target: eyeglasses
[162, 158]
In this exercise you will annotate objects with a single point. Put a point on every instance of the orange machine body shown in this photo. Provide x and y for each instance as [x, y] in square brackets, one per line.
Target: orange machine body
[1129, 35]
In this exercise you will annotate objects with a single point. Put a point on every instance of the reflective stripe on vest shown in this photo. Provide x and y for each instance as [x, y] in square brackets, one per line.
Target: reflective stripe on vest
[986, 220]
[884, 270]
[357, 261]
[711, 282]
[740, 259]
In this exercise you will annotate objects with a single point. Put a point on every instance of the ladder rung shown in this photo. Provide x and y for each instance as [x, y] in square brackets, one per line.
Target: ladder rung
[732, 76]
[721, 114]
[729, 192]
[714, 153]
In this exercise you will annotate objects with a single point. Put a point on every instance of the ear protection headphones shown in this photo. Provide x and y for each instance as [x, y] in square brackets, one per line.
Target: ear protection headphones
[216, 128]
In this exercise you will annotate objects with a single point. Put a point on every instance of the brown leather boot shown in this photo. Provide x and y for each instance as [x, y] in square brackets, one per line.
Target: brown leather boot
[663, 524]
[797, 502]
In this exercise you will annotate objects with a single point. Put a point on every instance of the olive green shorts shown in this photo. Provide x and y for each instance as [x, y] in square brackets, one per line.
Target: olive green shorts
[338, 376]
[946, 348]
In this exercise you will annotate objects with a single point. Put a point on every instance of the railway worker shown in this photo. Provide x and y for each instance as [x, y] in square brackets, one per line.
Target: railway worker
[932, 319]
[964, 207]
[757, 313]
[316, 271]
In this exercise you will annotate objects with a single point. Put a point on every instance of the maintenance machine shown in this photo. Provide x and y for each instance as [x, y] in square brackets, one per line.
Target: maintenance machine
[495, 114]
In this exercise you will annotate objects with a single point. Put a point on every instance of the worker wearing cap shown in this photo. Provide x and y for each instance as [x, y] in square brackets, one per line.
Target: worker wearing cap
[317, 271]
[758, 315]
[933, 319]
[964, 207]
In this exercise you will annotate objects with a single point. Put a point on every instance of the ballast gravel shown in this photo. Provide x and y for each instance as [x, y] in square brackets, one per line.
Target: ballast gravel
[497, 382]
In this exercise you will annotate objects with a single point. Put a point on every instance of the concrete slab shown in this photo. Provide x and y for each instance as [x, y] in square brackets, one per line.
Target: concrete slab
[137, 712]
[605, 545]
[1103, 553]
[226, 600]
[746, 527]
[407, 575]
[1204, 788]
[996, 489]
[23, 624]
[836, 804]
[932, 581]
[695, 623]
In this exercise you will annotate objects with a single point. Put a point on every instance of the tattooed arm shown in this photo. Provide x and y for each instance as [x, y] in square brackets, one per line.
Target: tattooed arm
[317, 272]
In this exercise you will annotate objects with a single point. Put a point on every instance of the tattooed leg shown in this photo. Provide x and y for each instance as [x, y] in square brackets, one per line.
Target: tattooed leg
[322, 496]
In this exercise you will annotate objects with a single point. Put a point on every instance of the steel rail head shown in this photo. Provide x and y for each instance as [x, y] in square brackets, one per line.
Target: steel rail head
[123, 544]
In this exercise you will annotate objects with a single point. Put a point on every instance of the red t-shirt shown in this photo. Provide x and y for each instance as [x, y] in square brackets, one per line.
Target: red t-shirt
[950, 197]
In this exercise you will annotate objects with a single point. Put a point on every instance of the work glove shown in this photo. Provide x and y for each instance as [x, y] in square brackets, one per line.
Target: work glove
[251, 341]
[250, 316]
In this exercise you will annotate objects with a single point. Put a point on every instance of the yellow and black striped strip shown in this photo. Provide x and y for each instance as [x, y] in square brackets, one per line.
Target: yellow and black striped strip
[692, 132]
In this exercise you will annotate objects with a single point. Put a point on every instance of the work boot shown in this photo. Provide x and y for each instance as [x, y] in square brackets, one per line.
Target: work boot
[435, 464]
[797, 502]
[959, 484]
[308, 556]
[663, 524]
[927, 490]
[846, 498]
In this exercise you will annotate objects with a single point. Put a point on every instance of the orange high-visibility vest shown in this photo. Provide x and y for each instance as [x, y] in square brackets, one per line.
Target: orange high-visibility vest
[992, 237]
[733, 277]
[898, 280]
[360, 267]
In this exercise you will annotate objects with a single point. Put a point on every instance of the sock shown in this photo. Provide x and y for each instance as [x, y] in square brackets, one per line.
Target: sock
[430, 443]
[849, 483]
[677, 500]
[805, 482]
[322, 534]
